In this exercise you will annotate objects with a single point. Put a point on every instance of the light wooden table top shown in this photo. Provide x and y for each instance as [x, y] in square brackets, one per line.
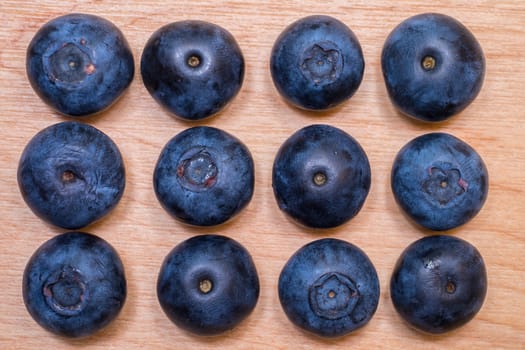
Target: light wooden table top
[144, 233]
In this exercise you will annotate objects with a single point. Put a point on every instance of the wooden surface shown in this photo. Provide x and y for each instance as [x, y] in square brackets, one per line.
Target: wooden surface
[143, 233]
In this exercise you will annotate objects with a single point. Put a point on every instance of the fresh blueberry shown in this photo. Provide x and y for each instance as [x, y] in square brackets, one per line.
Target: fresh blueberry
[192, 68]
[433, 67]
[317, 63]
[74, 284]
[439, 181]
[204, 176]
[71, 174]
[79, 64]
[329, 287]
[208, 284]
[439, 283]
[321, 176]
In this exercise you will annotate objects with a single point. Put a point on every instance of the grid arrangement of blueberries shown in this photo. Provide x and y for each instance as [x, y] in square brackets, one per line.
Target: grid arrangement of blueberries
[72, 174]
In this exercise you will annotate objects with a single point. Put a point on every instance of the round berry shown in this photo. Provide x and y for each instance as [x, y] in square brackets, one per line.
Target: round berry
[79, 64]
[192, 68]
[204, 176]
[208, 284]
[71, 174]
[439, 283]
[439, 181]
[329, 287]
[74, 284]
[321, 176]
[317, 63]
[433, 67]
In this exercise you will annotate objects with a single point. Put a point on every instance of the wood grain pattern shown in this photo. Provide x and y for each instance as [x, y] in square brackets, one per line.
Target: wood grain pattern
[143, 233]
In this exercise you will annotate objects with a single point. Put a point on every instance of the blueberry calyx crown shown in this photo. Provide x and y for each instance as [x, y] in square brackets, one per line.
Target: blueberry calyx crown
[322, 63]
[444, 184]
[65, 291]
[333, 296]
[69, 64]
[197, 170]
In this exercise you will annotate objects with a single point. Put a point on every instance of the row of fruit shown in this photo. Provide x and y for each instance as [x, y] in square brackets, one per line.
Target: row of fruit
[432, 65]
[71, 174]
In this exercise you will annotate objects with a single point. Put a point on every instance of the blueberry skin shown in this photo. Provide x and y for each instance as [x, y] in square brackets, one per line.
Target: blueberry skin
[317, 63]
[79, 64]
[439, 181]
[204, 176]
[321, 176]
[74, 284]
[71, 174]
[192, 68]
[329, 287]
[433, 67]
[439, 283]
[208, 284]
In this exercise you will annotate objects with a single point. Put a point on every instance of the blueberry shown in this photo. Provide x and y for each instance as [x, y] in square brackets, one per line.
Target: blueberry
[433, 67]
[439, 181]
[439, 283]
[317, 63]
[79, 64]
[192, 68]
[74, 284]
[204, 176]
[329, 287]
[321, 176]
[71, 174]
[208, 284]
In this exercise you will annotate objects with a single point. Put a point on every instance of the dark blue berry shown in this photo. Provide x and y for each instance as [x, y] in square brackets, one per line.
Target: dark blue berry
[208, 284]
[433, 67]
[74, 284]
[439, 181]
[204, 176]
[192, 68]
[71, 174]
[317, 63]
[439, 283]
[329, 287]
[79, 64]
[321, 176]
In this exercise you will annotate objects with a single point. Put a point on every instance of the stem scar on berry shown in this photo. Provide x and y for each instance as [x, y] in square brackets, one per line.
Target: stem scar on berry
[319, 178]
[450, 287]
[428, 63]
[205, 286]
[68, 176]
[194, 61]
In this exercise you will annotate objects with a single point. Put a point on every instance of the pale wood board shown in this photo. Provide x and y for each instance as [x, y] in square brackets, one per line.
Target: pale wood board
[144, 233]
